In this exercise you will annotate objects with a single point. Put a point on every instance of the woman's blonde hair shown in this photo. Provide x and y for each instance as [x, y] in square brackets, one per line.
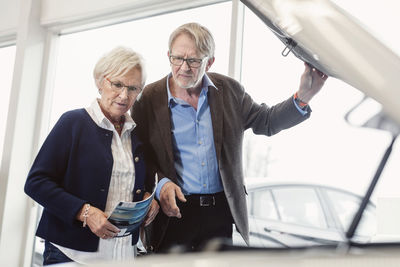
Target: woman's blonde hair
[118, 62]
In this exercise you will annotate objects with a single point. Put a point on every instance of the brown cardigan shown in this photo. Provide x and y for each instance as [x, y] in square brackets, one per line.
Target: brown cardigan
[232, 112]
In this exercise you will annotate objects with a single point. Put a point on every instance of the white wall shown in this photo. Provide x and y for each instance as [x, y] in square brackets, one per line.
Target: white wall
[75, 15]
[9, 14]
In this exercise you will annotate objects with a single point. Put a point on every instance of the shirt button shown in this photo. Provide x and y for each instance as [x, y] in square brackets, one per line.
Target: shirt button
[138, 191]
[136, 159]
[202, 164]
[200, 142]
[204, 185]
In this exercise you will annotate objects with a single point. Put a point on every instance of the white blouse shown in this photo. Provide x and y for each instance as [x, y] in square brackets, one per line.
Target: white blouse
[121, 186]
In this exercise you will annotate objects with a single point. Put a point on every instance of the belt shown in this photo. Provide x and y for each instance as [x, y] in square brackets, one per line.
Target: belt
[206, 200]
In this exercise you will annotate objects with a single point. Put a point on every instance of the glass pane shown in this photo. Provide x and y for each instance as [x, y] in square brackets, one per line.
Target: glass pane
[263, 205]
[79, 52]
[346, 206]
[7, 58]
[299, 206]
[325, 149]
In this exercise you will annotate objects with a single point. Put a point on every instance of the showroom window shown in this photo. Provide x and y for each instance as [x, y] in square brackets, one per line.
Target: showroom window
[7, 57]
[323, 149]
[78, 53]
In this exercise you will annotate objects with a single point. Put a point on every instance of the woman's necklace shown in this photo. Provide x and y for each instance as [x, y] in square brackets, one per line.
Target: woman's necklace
[118, 125]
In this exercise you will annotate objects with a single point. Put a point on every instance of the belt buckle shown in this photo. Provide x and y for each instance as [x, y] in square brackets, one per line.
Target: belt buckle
[205, 201]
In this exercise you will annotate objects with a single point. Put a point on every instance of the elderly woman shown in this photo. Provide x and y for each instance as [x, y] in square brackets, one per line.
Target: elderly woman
[90, 161]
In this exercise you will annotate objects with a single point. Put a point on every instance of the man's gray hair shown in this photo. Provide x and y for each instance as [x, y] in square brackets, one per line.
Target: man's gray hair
[201, 35]
[117, 63]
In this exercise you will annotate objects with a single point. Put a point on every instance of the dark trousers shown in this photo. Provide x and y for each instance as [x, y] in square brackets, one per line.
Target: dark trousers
[53, 255]
[204, 218]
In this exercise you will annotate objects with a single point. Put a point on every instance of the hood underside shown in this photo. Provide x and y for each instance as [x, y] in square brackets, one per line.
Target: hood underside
[327, 37]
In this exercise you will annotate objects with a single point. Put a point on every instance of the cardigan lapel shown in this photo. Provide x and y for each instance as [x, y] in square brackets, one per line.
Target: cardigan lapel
[215, 99]
[162, 114]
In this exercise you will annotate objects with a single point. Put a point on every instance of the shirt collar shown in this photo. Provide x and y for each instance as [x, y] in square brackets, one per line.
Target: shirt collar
[206, 83]
[101, 120]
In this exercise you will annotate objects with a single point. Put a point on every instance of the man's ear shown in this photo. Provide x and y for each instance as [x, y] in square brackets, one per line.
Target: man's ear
[210, 61]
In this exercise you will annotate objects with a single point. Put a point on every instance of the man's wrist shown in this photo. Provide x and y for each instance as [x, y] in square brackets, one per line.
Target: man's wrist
[302, 104]
[160, 185]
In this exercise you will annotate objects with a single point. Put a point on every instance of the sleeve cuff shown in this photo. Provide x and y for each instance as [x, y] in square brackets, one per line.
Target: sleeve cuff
[160, 185]
[301, 110]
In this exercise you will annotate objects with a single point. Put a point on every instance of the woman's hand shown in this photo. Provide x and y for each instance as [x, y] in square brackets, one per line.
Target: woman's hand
[153, 210]
[98, 223]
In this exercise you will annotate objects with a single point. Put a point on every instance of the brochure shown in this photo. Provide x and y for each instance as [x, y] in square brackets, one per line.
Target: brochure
[128, 216]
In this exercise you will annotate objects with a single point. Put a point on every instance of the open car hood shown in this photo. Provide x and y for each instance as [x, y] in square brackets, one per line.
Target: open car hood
[324, 35]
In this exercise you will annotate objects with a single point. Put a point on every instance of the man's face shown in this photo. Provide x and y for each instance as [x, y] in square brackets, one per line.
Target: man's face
[185, 76]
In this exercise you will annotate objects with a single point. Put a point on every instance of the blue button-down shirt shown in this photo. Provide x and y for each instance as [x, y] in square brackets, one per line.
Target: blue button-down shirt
[193, 144]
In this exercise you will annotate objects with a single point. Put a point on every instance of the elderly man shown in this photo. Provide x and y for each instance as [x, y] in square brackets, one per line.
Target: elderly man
[193, 123]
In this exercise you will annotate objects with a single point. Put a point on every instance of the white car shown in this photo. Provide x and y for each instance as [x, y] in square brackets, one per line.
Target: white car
[302, 214]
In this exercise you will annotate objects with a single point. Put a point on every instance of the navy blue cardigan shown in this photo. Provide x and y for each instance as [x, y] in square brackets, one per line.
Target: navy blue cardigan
[73, 167]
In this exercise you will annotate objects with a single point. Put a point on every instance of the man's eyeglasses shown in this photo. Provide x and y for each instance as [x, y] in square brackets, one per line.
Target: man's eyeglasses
[118, 87]
[192, 62]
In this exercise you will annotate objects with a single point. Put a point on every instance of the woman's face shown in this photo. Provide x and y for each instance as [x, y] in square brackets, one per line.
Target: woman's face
[119, 93]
